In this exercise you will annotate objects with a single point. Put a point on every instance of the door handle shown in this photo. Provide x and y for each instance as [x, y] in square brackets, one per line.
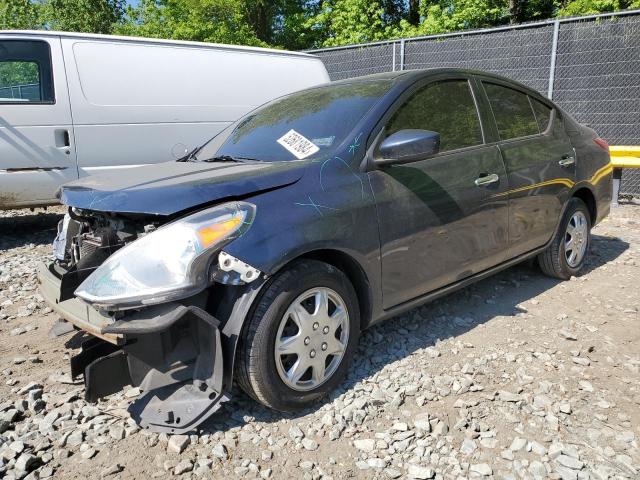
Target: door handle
[63, 140]
[487, 179]
[567, 160]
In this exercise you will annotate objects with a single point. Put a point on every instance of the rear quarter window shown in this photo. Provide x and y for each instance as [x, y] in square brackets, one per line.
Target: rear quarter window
[543, 114]
[512, 111]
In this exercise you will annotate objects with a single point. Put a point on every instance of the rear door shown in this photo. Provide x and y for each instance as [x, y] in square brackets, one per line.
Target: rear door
[439, 221]
[540, 163]
[37, 152]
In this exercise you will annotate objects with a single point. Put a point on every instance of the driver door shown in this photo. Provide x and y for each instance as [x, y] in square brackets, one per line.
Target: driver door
[440, 222]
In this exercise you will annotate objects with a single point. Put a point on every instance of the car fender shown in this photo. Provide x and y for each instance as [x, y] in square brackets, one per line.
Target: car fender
[338, 215]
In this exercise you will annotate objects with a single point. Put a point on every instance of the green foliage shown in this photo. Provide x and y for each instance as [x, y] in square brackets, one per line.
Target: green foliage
[18, 73]
[20, 15]
[93, 16]
[586, 7]
[341, 22]
[221, 21]
[452, 15]
[290, 24]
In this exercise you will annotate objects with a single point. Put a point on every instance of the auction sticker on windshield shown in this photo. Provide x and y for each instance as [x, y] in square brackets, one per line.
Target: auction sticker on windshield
[297, 144]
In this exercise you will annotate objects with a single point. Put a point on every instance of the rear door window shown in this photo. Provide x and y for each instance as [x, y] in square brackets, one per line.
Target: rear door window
[512, 111]
[25, 72]
[447, 108]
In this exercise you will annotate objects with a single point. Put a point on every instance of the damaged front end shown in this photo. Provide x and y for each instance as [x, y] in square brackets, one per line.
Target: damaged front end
[172, 352]
[145, 291]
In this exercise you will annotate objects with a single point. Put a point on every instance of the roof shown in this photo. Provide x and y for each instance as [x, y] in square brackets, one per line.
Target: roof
[154, 41]
[408, 76]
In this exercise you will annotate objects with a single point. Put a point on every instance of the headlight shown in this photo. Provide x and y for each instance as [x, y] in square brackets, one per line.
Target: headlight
[169, 263]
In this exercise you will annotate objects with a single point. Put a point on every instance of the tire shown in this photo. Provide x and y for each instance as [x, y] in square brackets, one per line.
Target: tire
[553, 261]
[262, 374]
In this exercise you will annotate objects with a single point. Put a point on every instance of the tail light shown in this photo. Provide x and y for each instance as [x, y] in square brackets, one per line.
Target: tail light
[601, 143]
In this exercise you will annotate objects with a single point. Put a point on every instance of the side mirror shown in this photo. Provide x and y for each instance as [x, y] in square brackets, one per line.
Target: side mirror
[407, 146]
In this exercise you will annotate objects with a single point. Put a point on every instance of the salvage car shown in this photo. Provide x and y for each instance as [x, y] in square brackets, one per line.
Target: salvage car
[261, 256]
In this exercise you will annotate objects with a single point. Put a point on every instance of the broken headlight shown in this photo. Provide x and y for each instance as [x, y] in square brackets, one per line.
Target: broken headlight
[167, 264]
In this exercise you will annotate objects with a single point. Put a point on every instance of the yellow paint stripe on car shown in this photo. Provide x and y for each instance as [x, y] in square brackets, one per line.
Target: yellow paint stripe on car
[556, 181]
[601, 173]
[597, 176]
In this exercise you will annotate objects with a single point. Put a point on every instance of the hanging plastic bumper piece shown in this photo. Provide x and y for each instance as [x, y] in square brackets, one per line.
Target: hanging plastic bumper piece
[172, 352]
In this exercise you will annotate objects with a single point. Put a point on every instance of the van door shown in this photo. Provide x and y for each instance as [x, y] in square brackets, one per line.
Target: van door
[37, 151]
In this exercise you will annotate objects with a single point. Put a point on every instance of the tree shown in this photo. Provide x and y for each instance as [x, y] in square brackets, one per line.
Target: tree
[540, 9]
[413, 15]
[517, 10]
[341, 22]
[261, 15]
[289, 24]
[20, 15]
[588, 7]
[93, 16]
[451, 15]
[221, 21]
[18, 73]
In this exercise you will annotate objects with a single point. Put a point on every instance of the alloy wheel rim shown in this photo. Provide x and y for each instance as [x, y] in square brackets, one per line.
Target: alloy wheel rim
[576, 239]
[312, 339]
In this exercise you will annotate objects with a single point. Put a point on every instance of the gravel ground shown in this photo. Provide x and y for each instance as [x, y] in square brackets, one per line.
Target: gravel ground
[518, 376]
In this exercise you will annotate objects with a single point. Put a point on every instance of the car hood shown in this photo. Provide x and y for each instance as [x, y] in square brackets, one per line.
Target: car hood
[168, 188]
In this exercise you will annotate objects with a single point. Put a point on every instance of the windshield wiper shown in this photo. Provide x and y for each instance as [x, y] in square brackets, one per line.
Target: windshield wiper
[191, 155]
[228, 158]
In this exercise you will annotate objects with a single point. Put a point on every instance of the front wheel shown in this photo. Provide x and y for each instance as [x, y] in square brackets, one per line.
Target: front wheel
[566, 254]
[300, 338]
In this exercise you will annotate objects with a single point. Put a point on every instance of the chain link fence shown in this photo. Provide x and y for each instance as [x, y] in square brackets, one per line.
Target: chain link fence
[589, 65]
[28, 91]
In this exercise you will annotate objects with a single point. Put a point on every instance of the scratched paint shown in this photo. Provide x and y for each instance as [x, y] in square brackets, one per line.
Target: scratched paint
[356, 143]
[338, 159]
[315, 205]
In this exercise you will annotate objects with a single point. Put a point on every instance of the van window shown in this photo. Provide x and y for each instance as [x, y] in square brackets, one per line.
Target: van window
[445, 107]
[512, 111]
[543, 113]
[25, 72]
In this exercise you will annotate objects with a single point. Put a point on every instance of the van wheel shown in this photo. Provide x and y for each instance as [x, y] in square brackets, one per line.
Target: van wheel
[297, 343]
[568, 250]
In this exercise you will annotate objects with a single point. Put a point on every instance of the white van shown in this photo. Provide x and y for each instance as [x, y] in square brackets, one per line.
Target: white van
[76, 104]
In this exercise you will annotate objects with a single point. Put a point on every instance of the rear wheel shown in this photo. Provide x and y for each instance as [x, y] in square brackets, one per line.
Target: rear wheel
[298, 342]
[566, 254]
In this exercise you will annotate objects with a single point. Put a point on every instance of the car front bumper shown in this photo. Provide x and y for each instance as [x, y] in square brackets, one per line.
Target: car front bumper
[72, 309]
[173, 352]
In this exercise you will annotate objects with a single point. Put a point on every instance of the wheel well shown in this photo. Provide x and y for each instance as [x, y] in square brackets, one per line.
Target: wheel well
[356, 276]
[587, 197]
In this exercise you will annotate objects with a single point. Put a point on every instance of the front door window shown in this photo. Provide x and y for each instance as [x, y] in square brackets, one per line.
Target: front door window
[447, 108]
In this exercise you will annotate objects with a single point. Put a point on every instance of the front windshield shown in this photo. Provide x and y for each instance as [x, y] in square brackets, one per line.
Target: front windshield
[306, 124]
